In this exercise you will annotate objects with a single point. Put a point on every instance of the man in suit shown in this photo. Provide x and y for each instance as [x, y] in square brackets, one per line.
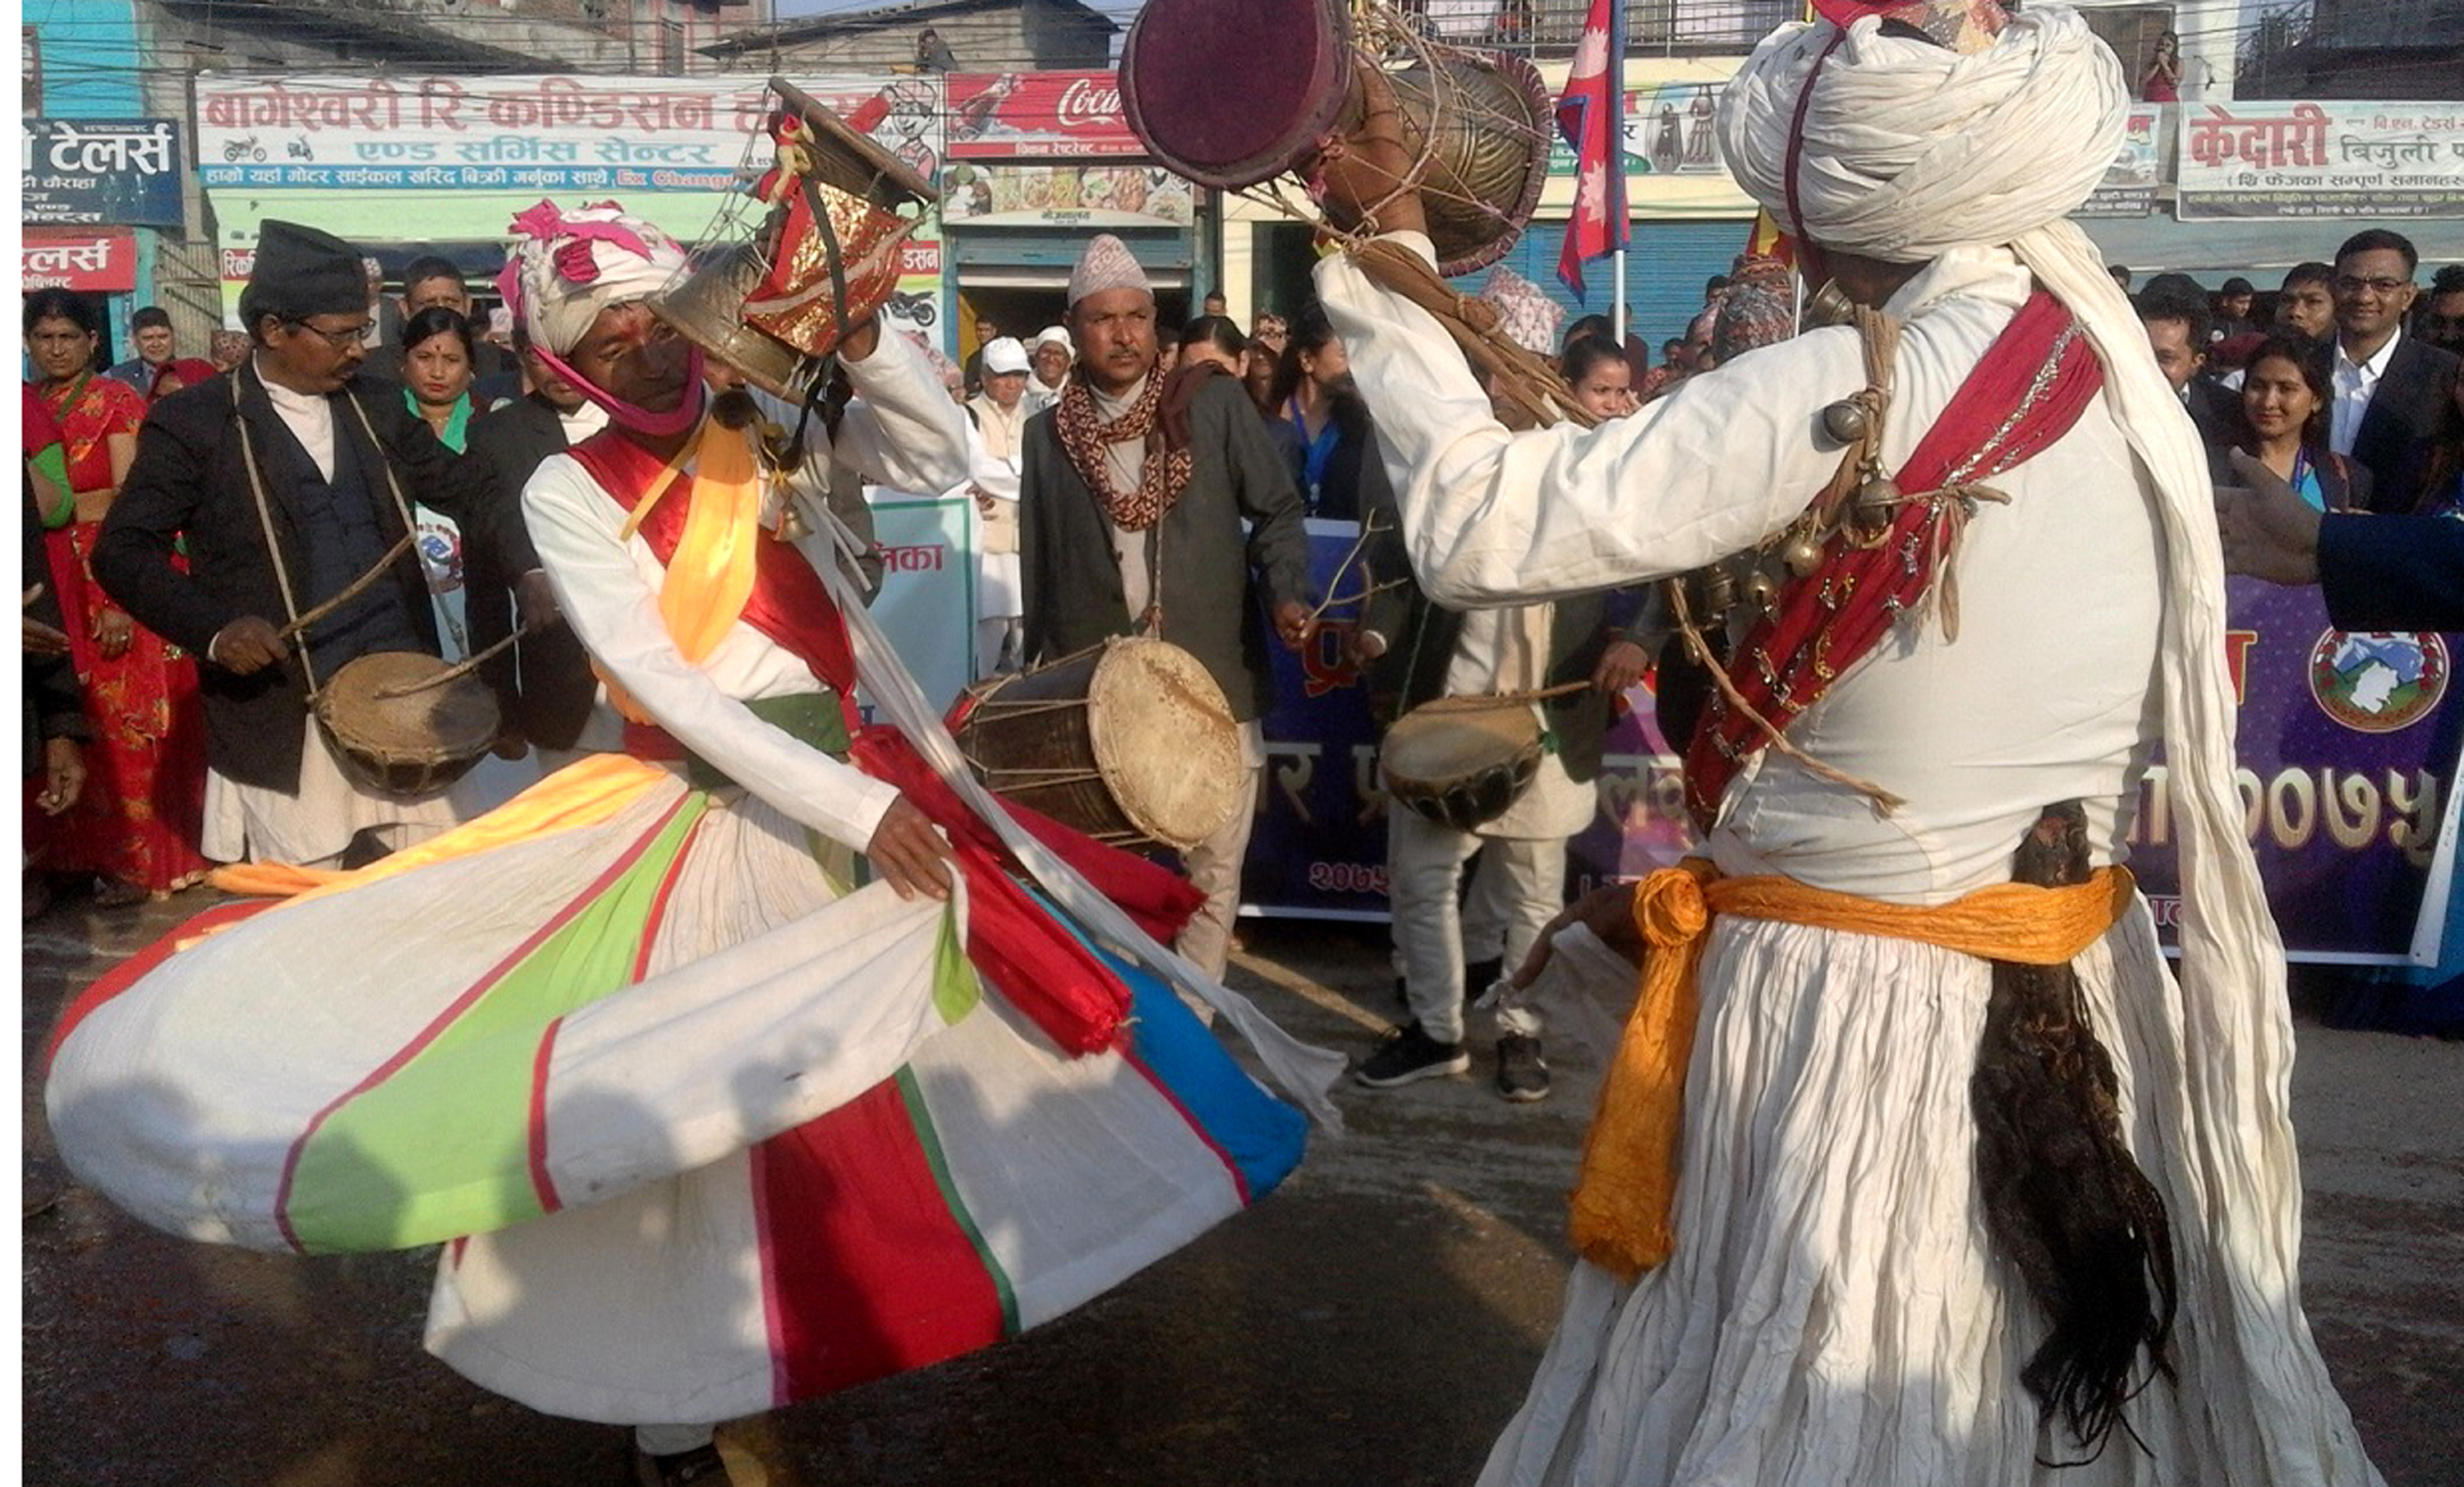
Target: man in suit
[288, 444]
[2395, 410]
[544, 686]
[2177, 325]
[1129, 523]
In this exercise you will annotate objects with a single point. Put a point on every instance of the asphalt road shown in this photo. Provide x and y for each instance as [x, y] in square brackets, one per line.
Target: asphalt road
[1370, 1326]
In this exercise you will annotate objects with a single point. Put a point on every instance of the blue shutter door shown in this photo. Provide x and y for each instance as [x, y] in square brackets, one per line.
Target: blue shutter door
[1665, 270]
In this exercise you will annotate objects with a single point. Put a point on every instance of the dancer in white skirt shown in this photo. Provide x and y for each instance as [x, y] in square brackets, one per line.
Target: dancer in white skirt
[1851, 1257]
[706, 1125]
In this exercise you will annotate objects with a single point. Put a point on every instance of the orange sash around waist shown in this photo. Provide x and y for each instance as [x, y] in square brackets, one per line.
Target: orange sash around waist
[1620, 1219]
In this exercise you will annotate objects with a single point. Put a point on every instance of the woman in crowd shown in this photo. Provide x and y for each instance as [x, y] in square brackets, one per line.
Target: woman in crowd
[136, 825]
[2163, 83]
[436, 362]
[1215, 342]
[2286, 394]
[1258, 362]
[1601, 377]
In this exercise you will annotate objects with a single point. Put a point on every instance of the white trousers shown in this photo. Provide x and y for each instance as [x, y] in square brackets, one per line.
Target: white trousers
[1214, 869]
[996, 644]
[1520, 885]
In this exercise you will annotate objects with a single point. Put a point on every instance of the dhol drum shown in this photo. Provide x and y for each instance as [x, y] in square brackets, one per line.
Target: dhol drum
[1461, 760]
[1130, 742]
[413, 744]
[1232, 93]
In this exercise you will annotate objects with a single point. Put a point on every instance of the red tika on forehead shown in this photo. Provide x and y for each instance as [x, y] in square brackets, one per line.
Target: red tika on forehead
[1964, 26]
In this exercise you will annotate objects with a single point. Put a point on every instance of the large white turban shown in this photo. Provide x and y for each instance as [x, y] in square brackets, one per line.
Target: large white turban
[1909, 149]
[567, 266]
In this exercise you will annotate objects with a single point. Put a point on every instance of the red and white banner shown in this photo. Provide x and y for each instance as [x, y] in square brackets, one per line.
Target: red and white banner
[101, 260]
[1013, 115]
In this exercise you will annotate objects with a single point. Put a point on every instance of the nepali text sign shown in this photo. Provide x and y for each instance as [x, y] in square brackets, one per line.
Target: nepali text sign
[2128, 188]
[928, 574]
[2346, 754]
[95, 171]
[1009, 115]
[2322, 160]
[1067, 196]
[552, 134]
[102, 260]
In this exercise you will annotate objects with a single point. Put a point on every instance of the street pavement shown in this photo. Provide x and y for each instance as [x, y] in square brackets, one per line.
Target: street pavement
[1370, 1326]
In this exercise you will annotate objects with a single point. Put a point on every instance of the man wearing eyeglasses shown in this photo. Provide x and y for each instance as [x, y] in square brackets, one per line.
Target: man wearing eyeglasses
[288, 482]
[2395, 395]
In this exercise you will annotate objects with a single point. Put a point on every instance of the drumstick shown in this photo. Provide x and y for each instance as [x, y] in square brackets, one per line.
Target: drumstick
[1484, 702]
[358, 587]
[453, 672]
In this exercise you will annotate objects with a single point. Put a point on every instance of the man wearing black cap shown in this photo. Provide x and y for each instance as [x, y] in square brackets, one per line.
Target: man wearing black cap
[288, 482]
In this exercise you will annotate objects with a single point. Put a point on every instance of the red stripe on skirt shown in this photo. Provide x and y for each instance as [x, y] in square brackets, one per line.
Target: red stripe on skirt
[1197, 1127]
[461, 1004]
[540, 1182]
[120, 977]
[864, 1270]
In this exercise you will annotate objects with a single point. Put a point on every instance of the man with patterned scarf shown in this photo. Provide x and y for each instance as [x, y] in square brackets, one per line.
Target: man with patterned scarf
[1135, 490]
[1915, 1164]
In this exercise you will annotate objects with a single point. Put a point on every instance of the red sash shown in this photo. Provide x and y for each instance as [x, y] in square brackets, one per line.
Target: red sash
[2034, 383]
[789, 603]
[1028, 956]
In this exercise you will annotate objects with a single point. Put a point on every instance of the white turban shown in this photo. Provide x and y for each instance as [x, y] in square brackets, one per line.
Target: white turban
[567, 266]
[1909, 149]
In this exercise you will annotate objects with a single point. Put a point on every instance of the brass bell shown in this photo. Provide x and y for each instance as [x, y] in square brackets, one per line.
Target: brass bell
[1802, 554]
[1719, 589]
[1846, 421]
[792, 526]
[1878, 502]
[1762, 590]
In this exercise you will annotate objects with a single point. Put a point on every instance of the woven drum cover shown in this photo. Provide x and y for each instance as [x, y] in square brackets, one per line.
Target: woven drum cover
[1165, 741]
[408, 744]
[1230, 93]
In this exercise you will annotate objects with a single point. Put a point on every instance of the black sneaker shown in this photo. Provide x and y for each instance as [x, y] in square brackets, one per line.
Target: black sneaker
[1408, 1054]
[1522, 1073]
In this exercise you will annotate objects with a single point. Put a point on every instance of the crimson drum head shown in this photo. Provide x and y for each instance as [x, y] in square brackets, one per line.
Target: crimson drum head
[1230, 93]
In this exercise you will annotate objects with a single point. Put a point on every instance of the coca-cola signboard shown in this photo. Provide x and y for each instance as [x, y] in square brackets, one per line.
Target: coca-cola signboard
[1042, 116]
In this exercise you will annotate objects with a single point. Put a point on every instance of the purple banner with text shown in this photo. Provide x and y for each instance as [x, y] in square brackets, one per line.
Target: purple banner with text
[2347, 753]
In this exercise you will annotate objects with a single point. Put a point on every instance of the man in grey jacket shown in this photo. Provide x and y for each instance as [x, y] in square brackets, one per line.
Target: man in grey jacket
[1134, 493]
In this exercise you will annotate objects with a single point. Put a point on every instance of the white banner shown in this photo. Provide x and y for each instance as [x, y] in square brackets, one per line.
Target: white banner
[928, 588]
[2267, 159]
[556, 134]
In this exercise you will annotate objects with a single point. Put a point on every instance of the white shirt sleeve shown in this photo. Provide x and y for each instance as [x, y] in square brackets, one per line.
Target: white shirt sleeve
[903, 430]
[613, 606]
[1492, 517]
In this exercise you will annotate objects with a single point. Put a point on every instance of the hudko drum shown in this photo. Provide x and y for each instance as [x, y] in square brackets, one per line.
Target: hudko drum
[413, 742]
[1461, 760]
[1130, 742]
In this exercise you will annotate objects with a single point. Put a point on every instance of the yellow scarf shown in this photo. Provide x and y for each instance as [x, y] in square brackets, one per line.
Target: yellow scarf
[1620, 1217]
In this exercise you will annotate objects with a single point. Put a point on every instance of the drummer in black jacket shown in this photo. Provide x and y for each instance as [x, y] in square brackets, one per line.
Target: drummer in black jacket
[287, 479]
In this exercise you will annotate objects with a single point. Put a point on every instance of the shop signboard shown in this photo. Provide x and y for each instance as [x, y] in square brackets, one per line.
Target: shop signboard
[2307, 159]
[95, 260]
[555, 134]
[122, 173]
[1066, 195]
[2128, 188]
[1012, 115]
